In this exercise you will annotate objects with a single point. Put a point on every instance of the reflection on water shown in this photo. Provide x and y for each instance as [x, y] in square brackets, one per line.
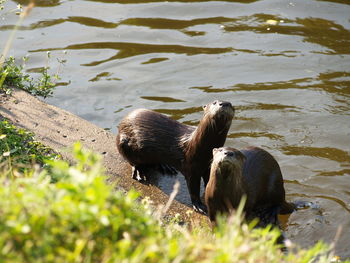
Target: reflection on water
[177, 114]
[43, 3]
[335, 173]
[135, 49]
[329, 153]
[314, 30]
[163, 99]
[284, 65]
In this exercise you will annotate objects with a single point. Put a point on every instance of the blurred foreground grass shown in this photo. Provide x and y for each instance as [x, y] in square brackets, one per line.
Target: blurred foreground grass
[82, 219]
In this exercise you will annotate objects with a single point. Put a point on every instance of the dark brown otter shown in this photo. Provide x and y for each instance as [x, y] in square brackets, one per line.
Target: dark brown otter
[147, 138]
[252, 172]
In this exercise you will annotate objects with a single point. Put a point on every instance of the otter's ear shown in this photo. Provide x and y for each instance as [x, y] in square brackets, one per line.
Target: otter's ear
[204, 107]
[215, 150]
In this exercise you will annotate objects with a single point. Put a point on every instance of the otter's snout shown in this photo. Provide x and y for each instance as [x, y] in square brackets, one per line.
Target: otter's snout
[223, 151]
[220, 109]
[226, 108]
[227, 154]
[225, 104]
[223, 154]
[222, 104]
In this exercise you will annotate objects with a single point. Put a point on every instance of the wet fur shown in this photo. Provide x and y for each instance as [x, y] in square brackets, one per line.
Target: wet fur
[252, 172]
[149, 138]
[142, 133]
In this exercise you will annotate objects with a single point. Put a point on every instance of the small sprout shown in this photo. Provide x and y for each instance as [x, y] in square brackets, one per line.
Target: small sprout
[48, 54]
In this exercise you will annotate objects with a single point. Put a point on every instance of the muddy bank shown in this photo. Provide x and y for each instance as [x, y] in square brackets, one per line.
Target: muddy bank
[59, 129]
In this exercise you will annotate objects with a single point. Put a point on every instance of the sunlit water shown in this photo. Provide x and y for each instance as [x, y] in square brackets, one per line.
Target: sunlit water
[284, 65]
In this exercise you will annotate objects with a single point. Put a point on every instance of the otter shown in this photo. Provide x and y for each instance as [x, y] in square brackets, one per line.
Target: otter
[148, 139]
[252, 172]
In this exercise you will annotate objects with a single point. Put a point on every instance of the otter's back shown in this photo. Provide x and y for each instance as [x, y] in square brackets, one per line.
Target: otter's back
[262, 177]
[148, 137]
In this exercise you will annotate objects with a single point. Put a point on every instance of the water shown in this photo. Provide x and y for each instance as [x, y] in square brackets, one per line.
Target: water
[283, 64]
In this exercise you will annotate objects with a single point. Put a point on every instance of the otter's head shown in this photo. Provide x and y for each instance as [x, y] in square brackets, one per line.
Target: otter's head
[227, 164]
[219, 109]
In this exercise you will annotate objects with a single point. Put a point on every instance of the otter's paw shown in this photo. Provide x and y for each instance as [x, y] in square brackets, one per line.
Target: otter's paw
[199, 207]
[138, 174]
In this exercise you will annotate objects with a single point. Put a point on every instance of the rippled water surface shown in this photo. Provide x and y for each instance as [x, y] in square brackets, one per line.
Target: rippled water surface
[285, 65]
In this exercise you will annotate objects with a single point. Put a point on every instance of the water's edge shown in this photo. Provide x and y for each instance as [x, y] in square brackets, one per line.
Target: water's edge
[60, 129]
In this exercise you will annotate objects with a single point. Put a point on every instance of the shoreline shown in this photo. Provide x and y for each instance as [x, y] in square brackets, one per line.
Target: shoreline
[60, 129]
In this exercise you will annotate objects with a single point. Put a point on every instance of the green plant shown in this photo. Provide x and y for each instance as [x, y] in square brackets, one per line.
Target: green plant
[19, 149]
[82, 219]
[78, 219]
[12, 75]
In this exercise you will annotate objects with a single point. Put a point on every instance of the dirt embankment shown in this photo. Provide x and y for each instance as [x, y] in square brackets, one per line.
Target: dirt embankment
[59, 129]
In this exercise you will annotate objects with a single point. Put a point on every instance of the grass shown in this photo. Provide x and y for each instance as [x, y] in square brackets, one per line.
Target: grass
[19, 149]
